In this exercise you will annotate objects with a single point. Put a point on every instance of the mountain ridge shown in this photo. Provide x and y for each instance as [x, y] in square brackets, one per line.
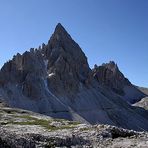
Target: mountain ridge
[57, 81]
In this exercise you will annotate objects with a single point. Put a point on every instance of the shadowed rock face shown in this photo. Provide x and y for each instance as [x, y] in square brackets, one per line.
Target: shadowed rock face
[110, 76]
[56, 80]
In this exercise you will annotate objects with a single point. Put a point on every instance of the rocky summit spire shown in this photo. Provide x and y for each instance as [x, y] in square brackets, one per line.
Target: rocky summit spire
[60, 29]
[59, 37]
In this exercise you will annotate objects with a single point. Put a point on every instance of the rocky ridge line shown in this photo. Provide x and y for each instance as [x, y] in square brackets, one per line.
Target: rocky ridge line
[56, 80]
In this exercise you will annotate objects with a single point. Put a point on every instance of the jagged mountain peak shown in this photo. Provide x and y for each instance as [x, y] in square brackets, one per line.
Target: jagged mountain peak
[109, 75]
[61, 39]
[60, 29]
[56, 80]
[59, 36]
[66, 60]
[61, 59]
[110, 63]
[111, 66]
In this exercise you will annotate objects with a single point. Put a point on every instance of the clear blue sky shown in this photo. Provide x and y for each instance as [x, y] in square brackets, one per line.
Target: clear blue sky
[105, 29]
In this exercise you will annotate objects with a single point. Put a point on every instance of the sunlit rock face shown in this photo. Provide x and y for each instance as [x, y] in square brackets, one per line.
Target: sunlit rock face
[56, 80]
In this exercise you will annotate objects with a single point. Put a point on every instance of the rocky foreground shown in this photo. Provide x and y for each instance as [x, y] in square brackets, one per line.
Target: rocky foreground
[25, 129]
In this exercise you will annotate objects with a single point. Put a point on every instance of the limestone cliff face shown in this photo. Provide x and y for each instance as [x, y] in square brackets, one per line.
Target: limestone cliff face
[110, 76]
[56, 80]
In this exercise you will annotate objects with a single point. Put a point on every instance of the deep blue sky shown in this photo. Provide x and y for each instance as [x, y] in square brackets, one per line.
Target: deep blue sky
[105, 29]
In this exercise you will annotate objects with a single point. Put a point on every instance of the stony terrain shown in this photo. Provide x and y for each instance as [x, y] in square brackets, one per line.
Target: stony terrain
[24, 129]
[56, 80]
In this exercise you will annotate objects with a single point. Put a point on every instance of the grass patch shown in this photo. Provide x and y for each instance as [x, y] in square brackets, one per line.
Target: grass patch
[43, 123]
[68, 122]
[65, 124]
[27, 117]
[74, 123]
